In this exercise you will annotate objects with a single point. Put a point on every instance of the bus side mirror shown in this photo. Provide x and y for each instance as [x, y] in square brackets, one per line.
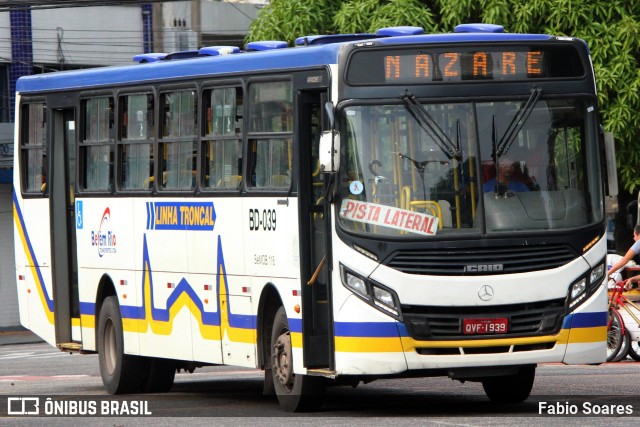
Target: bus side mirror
[329, 151]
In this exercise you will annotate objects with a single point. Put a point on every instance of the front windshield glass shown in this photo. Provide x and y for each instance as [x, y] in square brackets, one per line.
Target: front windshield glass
[420, 170]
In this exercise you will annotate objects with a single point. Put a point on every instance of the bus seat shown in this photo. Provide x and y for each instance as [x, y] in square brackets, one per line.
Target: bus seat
[232, 181]
[434, 209]
[447, 220]
[148, 183]
[280, 181]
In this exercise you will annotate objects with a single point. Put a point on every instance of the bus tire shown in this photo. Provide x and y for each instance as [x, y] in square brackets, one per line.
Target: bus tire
[295, 392]
[510, 388]
[121, 373]
[159, 375]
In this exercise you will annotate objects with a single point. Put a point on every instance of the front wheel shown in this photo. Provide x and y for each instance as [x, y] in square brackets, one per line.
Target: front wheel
[510, 388]
[295, 392]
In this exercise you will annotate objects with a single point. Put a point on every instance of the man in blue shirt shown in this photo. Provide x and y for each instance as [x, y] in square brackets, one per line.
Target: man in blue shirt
[506, 180]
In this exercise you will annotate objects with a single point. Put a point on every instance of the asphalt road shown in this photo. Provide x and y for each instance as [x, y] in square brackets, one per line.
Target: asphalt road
[233, 396]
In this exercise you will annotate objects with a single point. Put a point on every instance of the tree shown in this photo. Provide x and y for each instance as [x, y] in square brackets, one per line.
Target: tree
[610, 27]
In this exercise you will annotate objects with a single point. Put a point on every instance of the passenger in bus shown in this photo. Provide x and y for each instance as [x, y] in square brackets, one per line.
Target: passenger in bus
[508, 178]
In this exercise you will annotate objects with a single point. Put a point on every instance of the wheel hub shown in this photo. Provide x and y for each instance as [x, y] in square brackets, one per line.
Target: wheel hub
[282, 360]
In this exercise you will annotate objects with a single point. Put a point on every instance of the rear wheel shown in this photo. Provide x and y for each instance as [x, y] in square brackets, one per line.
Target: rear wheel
[121, 373]
[614, 335]
[158, 375]
[295, 392]
[510, 388]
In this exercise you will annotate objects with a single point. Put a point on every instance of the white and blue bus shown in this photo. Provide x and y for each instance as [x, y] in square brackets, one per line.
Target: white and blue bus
[361, 206]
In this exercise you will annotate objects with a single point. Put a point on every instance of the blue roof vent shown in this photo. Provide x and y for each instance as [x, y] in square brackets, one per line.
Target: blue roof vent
[479, 28]
[266, 45]
[184, 54]
[332, 38]
[399, 31]
[218, 50]
[149, 57]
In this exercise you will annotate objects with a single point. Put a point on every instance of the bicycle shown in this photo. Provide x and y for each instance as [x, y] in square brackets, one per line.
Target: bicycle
[623, 328]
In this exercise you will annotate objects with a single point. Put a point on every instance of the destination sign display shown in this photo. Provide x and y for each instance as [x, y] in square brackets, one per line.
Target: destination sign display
[441, 65]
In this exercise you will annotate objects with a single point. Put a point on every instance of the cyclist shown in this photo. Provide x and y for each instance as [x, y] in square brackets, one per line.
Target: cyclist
[631, 253]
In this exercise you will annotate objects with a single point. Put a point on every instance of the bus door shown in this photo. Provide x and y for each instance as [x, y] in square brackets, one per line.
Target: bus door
[63, 228]
[314, 236]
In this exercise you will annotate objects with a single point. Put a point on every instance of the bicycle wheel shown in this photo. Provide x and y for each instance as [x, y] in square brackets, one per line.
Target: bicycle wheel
[624, 348]
[634, 350]
[614, 335]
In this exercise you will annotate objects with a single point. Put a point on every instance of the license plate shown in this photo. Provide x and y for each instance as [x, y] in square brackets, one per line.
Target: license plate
[485, 326]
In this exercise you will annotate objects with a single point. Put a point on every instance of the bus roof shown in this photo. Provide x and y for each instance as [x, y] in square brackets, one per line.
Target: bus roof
[263, 60]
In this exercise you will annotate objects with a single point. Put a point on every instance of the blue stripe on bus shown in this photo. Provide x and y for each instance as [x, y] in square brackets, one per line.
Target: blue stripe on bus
[585, 320]
[367, 329]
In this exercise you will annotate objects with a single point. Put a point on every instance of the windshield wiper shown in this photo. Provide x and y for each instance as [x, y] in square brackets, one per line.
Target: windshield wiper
[426, 122]
[517, 122]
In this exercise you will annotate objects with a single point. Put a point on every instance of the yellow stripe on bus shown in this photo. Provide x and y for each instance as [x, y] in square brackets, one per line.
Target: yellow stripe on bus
[32, 266]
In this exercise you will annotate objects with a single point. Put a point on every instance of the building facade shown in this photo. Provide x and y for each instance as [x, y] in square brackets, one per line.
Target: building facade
[48, 40]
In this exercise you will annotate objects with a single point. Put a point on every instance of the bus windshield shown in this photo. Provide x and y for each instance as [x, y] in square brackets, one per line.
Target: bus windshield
[419, 170]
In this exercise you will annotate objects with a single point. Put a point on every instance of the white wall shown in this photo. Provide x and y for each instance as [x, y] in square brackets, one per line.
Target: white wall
[89, 35]
[226, 18]
[5, 37]
[9, 317]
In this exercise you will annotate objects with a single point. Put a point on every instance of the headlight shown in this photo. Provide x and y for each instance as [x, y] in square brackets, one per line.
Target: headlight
[596, 273]
[585, 286]
[355, 283]
[384, 299]
[380, 297]
[577, 292]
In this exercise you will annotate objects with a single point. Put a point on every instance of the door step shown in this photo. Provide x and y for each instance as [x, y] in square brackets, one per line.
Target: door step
[322, 372]
[72, 347]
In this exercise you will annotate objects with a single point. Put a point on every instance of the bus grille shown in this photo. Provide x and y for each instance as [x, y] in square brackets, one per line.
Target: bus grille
[442, 262]
[441, 323]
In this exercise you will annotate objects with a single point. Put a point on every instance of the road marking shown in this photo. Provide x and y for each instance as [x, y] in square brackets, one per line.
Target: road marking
[13, 378]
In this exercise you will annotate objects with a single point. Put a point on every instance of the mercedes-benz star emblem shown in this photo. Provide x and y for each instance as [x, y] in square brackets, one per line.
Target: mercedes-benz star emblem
[485, 293]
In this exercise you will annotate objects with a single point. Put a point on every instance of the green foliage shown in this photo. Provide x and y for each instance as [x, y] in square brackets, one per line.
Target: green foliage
[610, 27]
[290, 19]
[402, 12]
[355, 16]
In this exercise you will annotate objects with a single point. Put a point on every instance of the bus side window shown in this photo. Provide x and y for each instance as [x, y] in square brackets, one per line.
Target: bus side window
[136, 141]
[33, 148]
[177, 149]
[270, 135]
[222, 138]
[96, 143]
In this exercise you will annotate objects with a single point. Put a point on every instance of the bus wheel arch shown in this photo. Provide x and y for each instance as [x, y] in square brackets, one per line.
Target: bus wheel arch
[106, 288]
[269, 303]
